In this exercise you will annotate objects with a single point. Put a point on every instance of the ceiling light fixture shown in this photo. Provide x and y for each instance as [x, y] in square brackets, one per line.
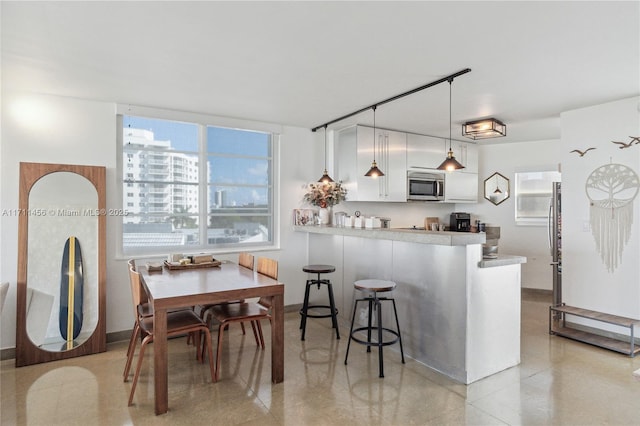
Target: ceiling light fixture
[374, 171]
[484, 129]
[450, 163]
[325, 176]
[393, 98]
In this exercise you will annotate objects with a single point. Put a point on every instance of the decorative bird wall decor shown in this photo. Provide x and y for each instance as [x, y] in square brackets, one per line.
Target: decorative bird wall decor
[634, 141]
[582, 153]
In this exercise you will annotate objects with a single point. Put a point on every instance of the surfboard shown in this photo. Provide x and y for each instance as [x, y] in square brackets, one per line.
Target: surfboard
[71, 282]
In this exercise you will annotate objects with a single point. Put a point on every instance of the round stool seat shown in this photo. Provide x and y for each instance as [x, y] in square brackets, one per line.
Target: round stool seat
[375, 285]
[319, 269]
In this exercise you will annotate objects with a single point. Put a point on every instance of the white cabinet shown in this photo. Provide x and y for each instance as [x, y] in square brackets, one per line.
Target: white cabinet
[467, 154]
[460, 187]
[425, 151]
[355, 154]
[395, 153]
[429, 152]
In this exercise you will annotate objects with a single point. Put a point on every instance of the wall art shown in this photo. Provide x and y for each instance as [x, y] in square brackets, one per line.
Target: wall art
[611, 190]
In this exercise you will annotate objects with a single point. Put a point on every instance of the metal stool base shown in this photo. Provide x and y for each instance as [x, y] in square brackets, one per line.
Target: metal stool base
[333, 311]
[374, 303]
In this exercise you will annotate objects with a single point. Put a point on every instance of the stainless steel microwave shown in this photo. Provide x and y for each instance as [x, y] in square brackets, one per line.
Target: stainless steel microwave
[425, 186]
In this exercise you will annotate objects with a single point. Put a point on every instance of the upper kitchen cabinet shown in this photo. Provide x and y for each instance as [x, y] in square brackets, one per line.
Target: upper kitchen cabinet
[467, 154]
[355, 152]
[425, 152]
[460, 187]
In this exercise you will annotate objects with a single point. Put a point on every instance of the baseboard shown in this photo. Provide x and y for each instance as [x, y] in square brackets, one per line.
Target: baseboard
[8, 353]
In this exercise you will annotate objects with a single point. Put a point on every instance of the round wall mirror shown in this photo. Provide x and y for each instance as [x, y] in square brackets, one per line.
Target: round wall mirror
[496, 188]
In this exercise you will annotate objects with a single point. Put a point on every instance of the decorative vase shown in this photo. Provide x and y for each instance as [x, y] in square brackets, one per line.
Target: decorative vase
[324, 216]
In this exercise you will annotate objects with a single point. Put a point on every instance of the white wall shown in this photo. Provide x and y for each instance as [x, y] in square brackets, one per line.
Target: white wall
[39, 128]
[586, 281]
[528, 241]
[48, 130]
[73, 131]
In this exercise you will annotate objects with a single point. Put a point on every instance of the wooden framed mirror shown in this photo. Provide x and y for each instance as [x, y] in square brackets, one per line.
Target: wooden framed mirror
[61, 306]
[496, 188]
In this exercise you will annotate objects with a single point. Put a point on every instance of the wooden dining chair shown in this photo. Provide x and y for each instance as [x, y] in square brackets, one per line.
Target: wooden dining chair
[245, 311]
[268, 267]
[180, 322]
[142, 310]
[246, 261]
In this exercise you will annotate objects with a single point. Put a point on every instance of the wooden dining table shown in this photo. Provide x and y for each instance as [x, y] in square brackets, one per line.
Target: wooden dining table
[174, 288]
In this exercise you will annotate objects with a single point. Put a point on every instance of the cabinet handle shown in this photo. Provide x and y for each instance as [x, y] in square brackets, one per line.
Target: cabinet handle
[386, 181]
[382, 165]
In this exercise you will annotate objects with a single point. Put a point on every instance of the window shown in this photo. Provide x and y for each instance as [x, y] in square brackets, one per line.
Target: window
[533, 196]
[226, 203]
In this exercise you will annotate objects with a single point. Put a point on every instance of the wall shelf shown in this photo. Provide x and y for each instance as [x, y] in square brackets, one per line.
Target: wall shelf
[558, 326]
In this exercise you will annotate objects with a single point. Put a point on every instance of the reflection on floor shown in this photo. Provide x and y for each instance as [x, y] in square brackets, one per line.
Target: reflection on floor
[559, 382]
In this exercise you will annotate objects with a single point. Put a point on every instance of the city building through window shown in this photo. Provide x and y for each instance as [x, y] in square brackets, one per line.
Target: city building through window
[189, 186]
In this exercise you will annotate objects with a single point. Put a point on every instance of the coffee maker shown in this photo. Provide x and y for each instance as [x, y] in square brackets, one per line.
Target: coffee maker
[460, 222]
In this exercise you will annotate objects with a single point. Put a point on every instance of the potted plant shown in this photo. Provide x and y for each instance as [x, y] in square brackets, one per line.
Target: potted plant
[325, 196]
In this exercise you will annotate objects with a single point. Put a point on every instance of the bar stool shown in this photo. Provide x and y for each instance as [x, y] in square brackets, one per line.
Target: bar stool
[373, 287]
[333, 311]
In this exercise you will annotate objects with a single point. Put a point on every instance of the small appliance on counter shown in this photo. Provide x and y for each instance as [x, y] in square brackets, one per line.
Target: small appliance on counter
[460, 222]
[339, 219]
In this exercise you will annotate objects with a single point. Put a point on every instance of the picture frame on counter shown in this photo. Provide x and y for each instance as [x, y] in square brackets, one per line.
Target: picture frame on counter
[304, 217]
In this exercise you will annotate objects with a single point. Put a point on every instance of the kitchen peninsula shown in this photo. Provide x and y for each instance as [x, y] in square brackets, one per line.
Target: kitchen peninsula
[459, 314]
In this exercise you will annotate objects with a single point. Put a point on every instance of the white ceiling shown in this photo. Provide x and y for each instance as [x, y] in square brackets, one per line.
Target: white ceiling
[306, 63]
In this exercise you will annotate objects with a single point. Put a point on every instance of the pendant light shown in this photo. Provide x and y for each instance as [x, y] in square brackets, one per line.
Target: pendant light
[450, 163]
[325, 176]
[374, 171]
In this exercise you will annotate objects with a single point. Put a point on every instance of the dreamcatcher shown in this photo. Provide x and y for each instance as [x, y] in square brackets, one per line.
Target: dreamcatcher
[611, 189]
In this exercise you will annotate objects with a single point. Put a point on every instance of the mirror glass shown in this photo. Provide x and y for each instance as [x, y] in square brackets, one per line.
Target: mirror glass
[496, 188]
[62, 205]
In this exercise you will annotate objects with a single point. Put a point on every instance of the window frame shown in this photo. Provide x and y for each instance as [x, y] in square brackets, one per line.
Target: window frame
[202, 121]
[551, 176]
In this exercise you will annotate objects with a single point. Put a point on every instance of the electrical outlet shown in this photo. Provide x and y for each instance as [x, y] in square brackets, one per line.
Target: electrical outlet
[586, 226]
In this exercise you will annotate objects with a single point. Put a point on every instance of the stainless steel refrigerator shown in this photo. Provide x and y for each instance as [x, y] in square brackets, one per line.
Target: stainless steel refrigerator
[555, 242]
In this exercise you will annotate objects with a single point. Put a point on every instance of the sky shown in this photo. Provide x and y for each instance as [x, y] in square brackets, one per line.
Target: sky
[178, 133]
[184, 136]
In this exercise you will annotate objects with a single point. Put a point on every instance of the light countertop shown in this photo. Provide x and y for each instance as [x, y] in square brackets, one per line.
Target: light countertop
[443, 238]
[502, 260]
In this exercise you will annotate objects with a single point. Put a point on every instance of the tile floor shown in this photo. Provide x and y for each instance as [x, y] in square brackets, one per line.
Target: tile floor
[559, 382]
